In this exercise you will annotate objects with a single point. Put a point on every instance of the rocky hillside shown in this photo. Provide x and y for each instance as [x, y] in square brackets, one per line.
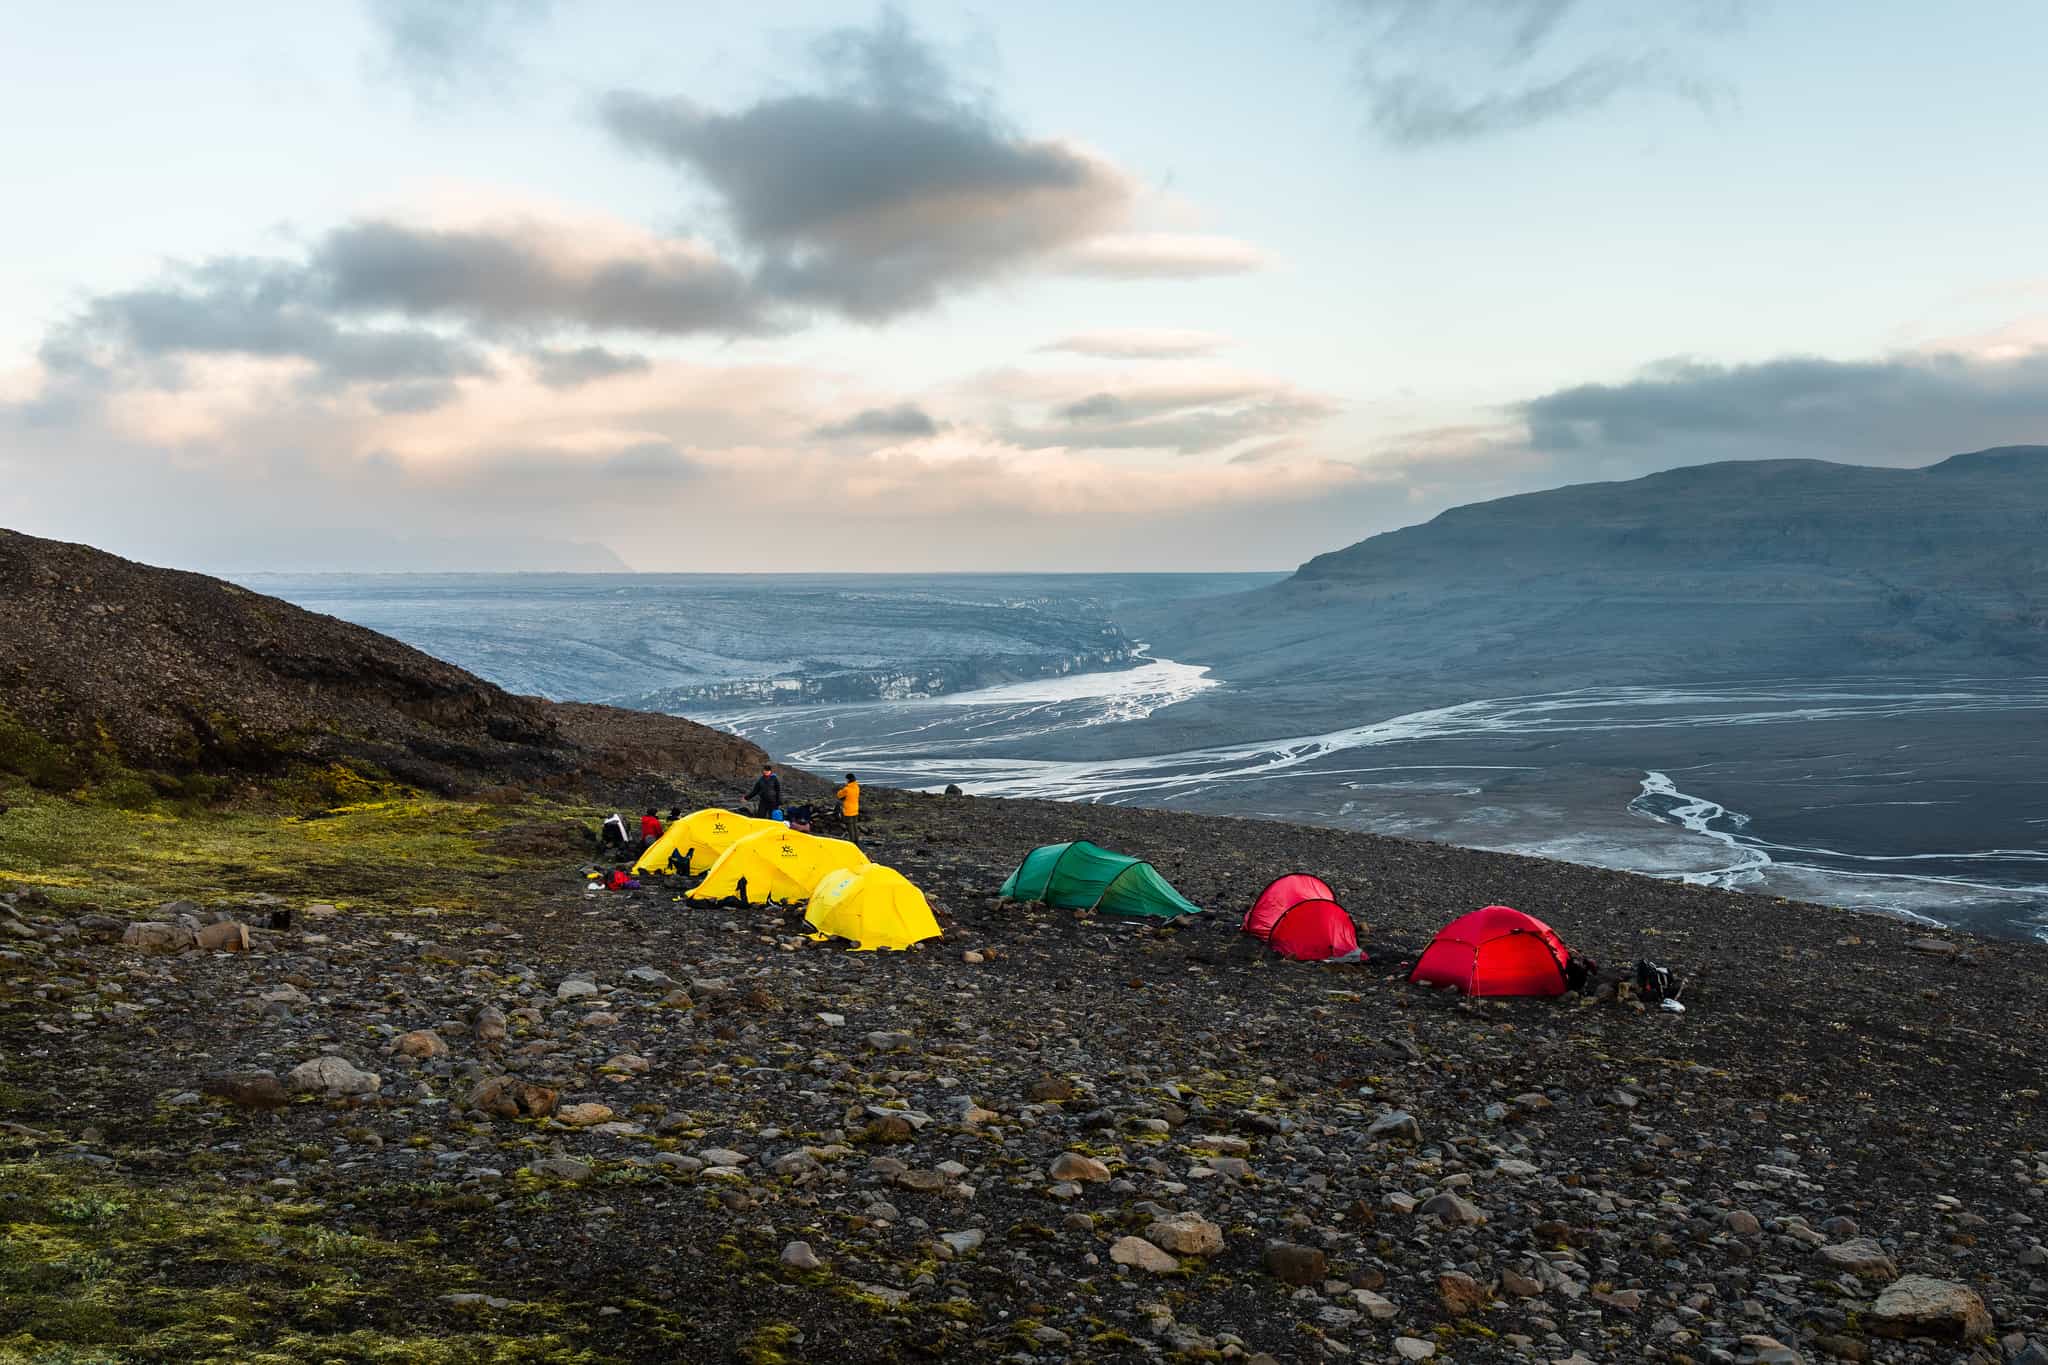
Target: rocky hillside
[112, 667]
[1776, 568]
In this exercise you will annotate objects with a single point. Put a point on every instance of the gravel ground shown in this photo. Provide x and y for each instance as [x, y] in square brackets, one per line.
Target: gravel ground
[1053, 1137]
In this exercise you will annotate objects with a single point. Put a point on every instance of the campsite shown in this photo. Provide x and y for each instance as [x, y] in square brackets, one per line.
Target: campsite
[652, 1129]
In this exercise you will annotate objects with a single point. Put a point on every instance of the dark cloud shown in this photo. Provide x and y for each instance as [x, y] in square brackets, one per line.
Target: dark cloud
[568, 369]
[238, 306]
[905, 421]
[448, 290]
[878, 197]
[1904, 406]
[442, 48]
[1436, 71]
[499, 278]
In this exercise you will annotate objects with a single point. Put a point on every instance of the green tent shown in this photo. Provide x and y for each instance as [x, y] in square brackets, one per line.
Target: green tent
[1080, 876]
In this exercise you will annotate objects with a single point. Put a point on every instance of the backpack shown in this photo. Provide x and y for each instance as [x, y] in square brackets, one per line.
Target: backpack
[1580, 972]
[1657, 984]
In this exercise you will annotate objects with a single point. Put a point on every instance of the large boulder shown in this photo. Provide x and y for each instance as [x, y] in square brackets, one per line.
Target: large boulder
[1141, 1254]
[227, 936]
[1186, 1234]
[1919, 1306]
[158, 936]
[333, 1076]
[1076, 1167]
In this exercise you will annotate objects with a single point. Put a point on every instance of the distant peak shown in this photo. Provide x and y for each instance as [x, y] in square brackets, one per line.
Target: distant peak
[1996, 459]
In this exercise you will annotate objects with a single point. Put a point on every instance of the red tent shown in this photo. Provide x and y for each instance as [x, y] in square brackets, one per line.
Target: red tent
[1283, 895]
[1495, 951]
[1315, 931]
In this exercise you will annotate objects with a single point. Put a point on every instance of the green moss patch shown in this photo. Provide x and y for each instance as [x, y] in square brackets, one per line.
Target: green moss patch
[93, 1270]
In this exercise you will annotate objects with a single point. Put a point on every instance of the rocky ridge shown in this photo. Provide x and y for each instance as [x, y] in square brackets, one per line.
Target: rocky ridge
[110, 668]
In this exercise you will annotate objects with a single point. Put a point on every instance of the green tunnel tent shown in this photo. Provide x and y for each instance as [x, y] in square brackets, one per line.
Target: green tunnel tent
[1083, 876]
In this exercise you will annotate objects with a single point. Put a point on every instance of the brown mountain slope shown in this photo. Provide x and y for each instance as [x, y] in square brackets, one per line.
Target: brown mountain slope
[108, 664]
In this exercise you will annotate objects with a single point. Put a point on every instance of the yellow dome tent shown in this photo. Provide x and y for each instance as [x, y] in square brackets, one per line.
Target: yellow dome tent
[779, 863]
[700, 836]
[875, 906]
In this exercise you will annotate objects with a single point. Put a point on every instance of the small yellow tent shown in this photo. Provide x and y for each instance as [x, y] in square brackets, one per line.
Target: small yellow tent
[875, 906]
[700, 836]
[777, 862]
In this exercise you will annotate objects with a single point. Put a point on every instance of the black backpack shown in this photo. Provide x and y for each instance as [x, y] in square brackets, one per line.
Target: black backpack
[1657, 984]
[1580, 973]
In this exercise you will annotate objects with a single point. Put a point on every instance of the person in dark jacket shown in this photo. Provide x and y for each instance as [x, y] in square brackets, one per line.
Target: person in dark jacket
[766, 793]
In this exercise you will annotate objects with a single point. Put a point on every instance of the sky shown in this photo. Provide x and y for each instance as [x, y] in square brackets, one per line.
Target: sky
[790, 285]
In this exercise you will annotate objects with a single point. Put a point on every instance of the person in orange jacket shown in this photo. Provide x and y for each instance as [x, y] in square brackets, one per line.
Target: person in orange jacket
[650, 829]
[849, 807]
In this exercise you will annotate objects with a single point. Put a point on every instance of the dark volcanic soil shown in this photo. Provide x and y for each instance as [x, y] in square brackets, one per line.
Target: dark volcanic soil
[1848, 1100]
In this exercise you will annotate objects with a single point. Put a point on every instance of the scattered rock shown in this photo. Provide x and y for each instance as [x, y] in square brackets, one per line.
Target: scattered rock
[228, 936]
[1461, 1294]
[508, 1097]
[1398, 1126]
[420, 1043]
[154, 936]
[333, 1076]
[1918, 1306]
[799, 1256]
[1136, 1251]
[1451, 1209]
[1861, 1257]
[587, 1115]
[1293, 1264]
[249, 1089]
[563, 1168]
[1186, 1234]
[1074, 1168]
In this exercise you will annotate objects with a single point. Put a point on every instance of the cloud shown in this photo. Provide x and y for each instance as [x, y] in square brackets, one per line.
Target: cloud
[1903, 410]
[1140, 344]
[533, 273]
[1441, 71]
[1160, 256]
[890, 189]
[1852, 409]
[441, 48]
[568, 369]
[1191, 415]
[905, 421]
[240, 306]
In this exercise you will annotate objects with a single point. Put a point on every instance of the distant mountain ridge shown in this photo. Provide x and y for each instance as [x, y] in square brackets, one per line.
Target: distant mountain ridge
[1721, 570]
[109, 667]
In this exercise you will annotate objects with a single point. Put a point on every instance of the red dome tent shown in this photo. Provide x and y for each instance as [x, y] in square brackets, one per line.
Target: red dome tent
[1298, 917]
[1316, 931]
[1495, 951]
[1283, 895]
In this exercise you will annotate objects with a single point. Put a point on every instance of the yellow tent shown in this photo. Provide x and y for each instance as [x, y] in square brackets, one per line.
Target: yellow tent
[875, 906]
[701, 835]
[776, 862]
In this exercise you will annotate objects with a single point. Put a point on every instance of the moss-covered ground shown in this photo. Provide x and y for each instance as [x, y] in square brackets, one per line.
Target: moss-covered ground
[397, 849]
[96, 1270]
